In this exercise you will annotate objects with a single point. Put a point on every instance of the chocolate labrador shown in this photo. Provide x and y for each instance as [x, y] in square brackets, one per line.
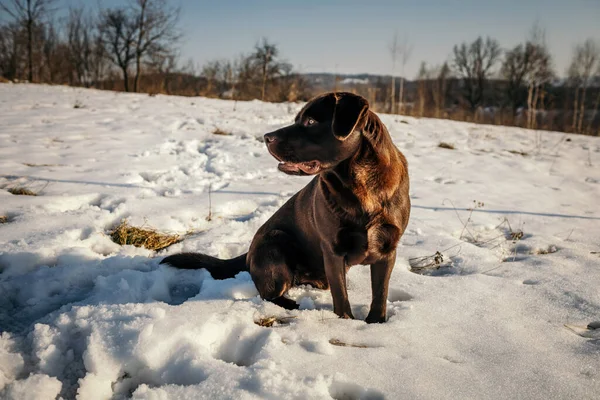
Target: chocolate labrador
[353, 212]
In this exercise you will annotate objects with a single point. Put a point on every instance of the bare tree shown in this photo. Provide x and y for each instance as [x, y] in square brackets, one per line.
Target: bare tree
[49, 67]
[80, 39]
[596, 105]
[117, 33]
[211, 72]
[265, 58]
[9, 50]
[230, 73]
[527, 69]
[585, 61]
[405, 52]
[98, 67]
[28, 13]
[539, 72]
[394, 49]
[156, 31]
[473, 63]
[248, 71]
[440, 89]
[514, 67]
[422, 79]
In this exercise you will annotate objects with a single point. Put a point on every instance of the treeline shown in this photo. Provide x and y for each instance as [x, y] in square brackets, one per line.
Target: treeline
[483, 83]
[86, 48]
[134, 47]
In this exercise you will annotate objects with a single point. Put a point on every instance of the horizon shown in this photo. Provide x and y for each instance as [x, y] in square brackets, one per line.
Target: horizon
[356, 39]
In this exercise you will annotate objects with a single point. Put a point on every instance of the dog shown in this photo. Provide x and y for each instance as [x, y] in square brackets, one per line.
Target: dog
[354, 211]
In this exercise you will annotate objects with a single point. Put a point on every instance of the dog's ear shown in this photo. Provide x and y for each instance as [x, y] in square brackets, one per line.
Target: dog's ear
[348, 112]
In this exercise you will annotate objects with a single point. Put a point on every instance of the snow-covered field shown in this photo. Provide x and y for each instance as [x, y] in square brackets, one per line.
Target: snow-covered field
[82, 317]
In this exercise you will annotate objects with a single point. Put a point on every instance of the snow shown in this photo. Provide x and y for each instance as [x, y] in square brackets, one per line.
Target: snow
[85, 318]
[354, 81]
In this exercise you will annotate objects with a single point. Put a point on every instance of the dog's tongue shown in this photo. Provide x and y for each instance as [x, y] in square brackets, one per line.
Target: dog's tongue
[310, 167]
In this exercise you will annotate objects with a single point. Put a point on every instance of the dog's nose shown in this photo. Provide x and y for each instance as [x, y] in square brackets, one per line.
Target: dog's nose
[270, 138]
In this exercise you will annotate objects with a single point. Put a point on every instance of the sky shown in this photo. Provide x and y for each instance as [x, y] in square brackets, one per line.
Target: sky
[353, 36]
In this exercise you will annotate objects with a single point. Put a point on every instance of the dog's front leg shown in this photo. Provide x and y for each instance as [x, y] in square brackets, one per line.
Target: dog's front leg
[335, 270]
[380, 278]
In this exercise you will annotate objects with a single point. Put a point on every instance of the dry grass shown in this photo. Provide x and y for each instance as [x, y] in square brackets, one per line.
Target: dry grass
[515, 235]
[42, 165]
[337, 342]
[419, 265]
[219, 131]
[268, 322]
[548, 250]
[445, 145]
[21, 191]
[521, 153]
[3, 219]
[148, 238]
[437, 261]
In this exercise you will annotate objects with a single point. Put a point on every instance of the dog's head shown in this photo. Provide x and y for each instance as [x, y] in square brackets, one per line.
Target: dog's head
[325, 132]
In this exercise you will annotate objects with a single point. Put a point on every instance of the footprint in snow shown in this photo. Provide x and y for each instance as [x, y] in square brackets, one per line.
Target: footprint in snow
[342, 389]
[398, 295]
[239, 346]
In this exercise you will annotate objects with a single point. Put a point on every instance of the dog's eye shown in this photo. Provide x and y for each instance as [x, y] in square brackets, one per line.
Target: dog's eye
[308, 121]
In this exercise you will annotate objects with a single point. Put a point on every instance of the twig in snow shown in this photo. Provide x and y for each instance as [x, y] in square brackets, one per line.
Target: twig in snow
[337, 342]
[569, 235]
[209, 217]
[465, 224]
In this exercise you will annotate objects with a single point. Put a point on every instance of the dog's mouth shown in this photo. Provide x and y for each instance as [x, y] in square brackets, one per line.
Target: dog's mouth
[299, 168]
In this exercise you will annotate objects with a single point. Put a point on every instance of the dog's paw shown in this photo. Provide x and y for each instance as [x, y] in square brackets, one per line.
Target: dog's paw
[286, 303]
[346, 315]
[375, 319]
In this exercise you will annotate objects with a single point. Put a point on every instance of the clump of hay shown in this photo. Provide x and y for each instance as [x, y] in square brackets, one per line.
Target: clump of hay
[21, 191]
[268, 322]
[142, 237]
[445, 145]
[219, 131]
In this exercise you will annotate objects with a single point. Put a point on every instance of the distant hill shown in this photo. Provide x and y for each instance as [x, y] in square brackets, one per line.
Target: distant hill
[327, 81]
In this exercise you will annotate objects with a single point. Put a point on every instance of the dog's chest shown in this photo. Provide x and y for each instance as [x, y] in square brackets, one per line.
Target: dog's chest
[366, 245]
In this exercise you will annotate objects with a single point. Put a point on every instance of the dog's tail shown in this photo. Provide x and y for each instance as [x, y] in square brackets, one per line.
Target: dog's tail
[219, 269]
